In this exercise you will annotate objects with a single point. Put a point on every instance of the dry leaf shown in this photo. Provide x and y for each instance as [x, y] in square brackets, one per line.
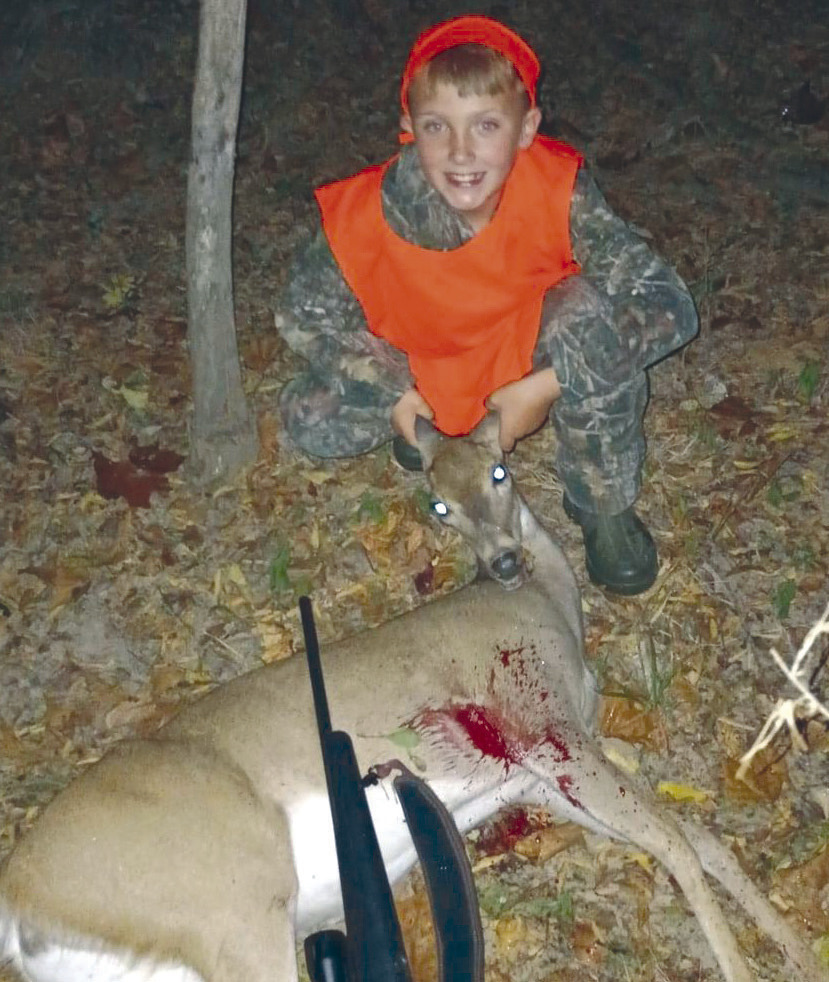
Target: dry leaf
[415, 918]
[545, 843]
[764, 780]
[500, 835]
[122, 479]
[588, 943]
[154, 459]
[627, 720]
[683, 792]
[511, 934]
[268, 436]
[67, 580]
[802, 887]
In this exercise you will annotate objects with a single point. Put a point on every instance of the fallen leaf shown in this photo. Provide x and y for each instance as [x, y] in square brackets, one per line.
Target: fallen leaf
[588, 943]
[628, 720]
[68, 581]
[500, 835]
[268, 436]
[122, 479]
[802, 887]
[154, 459]
[511, 935]
[415, 917]
[424, 581]
[683, 792]
[541, 845]
[764, 780]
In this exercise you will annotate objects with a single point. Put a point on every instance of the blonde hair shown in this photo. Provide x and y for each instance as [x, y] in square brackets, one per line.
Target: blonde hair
[473, 69]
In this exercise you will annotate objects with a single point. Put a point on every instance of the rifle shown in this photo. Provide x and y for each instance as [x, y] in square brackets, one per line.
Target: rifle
[371, 950]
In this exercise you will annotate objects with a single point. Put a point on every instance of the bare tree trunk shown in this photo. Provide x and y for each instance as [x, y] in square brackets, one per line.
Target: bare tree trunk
[222, 432]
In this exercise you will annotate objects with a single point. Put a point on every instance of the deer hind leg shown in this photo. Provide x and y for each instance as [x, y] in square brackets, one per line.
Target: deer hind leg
[38, 955]
[164, 853]
[721, 863]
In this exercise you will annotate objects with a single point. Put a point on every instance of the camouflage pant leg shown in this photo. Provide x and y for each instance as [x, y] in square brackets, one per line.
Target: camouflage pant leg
[598, 417]
[336, 416]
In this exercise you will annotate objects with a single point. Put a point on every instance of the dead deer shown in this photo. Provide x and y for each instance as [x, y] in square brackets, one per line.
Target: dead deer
[201, 854]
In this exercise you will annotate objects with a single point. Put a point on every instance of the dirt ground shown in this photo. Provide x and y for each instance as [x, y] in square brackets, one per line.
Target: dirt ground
[124, 590]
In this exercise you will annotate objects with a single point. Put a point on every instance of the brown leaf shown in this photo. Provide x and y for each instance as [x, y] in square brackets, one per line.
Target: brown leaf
[424, 581]
[588, 943]
[121, 479]
[627, 720]
[501, 834]
[763, 782]
[155, 460]
[131, 713]
[260, 352]
[544, 843]
[415, 918]
[68, 581]
[268, 436]
[802, 888]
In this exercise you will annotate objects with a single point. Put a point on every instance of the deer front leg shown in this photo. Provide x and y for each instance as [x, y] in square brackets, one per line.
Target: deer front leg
[601, 798]
[721, 863]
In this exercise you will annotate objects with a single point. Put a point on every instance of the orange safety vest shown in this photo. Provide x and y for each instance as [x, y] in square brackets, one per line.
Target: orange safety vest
[467, 318]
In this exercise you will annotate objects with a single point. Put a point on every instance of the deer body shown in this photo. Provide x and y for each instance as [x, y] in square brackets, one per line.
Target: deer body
[203, 853]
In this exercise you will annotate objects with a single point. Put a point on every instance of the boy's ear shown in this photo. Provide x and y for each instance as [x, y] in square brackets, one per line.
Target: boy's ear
[406, 123]
[529, 127]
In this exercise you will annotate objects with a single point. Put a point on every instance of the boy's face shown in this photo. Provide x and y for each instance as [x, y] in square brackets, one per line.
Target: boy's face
[468, 144]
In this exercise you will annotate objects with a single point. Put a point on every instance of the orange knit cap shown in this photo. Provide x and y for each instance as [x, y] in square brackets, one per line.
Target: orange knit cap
[472, 30]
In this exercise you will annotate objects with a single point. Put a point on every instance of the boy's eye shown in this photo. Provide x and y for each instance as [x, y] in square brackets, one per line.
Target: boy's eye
[432, 126]
[489, 125]
[499, 474]
[440, 508]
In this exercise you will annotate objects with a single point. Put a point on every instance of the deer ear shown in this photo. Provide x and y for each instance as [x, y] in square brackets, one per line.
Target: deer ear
[488, 432]
[428, 440]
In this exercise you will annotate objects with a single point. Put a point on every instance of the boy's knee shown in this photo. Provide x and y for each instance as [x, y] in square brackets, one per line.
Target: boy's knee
[321, 422]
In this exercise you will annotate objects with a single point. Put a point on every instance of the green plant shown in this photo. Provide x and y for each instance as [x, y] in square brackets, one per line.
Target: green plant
[779, 492]
[119, 290]
[823, 949]
[657, 678]
[803, 556]
[496, 900]
[784, 593]
[807, 381]
[278, 578]
[372, 508]
[560, 907]
[423, 501]
[705, 432]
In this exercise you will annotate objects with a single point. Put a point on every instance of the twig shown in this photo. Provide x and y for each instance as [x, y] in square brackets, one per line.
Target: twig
[786, 711]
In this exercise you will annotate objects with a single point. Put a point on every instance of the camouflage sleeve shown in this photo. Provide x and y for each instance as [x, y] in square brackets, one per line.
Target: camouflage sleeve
[320, 319]
[623, 283]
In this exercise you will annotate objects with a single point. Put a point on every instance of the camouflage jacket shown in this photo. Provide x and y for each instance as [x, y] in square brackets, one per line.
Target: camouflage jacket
[632, 291]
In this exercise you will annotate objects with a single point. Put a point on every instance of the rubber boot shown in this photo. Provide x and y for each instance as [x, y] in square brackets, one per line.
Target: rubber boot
[620, 553]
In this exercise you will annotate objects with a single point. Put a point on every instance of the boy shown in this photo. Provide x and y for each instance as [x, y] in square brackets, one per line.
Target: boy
[481, 268]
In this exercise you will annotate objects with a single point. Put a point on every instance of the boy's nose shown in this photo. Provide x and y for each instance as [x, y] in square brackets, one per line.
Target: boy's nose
[460, 146]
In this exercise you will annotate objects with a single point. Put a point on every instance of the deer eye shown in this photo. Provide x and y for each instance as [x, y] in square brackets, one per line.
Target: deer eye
[499, 473]
[440, 508]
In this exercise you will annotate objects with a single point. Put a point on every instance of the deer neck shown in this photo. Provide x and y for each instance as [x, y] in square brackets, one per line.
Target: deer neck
[552, 574]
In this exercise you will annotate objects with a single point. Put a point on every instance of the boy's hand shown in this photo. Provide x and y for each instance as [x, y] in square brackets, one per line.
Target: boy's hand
[524, 405]
[407, 408]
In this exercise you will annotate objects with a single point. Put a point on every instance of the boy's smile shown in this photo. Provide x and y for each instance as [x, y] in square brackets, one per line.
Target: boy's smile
[468, 144]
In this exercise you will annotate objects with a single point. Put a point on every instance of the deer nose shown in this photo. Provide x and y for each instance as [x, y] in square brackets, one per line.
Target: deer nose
[505, 566]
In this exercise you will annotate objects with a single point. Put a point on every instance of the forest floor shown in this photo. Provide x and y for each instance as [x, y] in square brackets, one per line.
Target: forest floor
[125, 590]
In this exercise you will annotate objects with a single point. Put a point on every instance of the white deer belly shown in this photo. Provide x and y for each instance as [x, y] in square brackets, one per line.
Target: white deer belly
[470, 801]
